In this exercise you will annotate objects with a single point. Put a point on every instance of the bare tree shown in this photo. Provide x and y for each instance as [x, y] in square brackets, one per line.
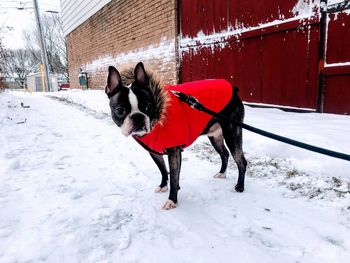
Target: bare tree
[2, 54]
[2, 57]
[17, 64]
[54, 41]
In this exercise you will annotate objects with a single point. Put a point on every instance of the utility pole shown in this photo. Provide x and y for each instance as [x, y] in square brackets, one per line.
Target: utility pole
[44, 60]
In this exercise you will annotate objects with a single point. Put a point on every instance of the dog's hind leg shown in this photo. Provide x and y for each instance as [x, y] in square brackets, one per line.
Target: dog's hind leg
[159, 160]
[217, 140]
[233, 139]
[214, 133]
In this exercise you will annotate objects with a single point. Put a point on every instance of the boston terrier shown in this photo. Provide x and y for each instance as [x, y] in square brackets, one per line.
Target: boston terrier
[149, 112]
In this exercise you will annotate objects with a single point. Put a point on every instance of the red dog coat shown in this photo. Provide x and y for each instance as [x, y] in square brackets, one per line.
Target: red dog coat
[182, 124]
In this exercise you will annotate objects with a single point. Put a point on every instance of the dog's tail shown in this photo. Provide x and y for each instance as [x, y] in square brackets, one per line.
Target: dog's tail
[237, 102]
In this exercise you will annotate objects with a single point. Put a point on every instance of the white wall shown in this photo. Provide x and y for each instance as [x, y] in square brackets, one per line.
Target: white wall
[76, 12]
[31, 84]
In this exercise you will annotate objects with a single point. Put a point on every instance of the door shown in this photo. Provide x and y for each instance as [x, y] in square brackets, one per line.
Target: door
[337, 66]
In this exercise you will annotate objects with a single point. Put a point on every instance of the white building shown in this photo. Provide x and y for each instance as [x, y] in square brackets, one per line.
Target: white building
[34, 82]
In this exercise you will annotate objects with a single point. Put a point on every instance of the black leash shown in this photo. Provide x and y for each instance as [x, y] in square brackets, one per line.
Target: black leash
[194, 103]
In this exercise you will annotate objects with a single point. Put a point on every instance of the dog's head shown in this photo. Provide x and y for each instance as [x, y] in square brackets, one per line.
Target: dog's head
[133, 106]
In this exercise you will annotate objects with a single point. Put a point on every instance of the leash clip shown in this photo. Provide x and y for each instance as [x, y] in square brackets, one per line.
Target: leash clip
[189, 100]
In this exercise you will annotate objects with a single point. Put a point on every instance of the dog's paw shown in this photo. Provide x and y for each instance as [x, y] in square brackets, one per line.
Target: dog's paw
[220, 175]
[239, 188]
[161, 189]
[169, 205]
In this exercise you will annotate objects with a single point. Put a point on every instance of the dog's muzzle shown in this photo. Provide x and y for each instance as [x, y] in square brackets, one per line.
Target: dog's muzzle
[137, 124]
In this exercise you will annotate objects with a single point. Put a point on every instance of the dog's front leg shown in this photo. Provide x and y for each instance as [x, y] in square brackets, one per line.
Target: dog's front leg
[159, 160]
[174, 156]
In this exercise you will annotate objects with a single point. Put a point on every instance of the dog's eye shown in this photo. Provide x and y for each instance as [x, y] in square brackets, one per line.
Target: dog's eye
[120, 111]
[149, 108]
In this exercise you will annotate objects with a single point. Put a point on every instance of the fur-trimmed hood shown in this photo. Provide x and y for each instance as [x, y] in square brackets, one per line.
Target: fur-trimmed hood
[160, 94]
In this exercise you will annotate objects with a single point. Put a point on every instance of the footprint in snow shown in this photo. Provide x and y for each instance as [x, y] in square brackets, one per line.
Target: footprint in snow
[107, 219]
[15, 164]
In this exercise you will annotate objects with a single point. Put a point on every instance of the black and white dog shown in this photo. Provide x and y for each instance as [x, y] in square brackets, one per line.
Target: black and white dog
[140, 106]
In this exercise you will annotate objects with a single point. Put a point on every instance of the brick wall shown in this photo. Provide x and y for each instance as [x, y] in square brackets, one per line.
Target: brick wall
[123, 33]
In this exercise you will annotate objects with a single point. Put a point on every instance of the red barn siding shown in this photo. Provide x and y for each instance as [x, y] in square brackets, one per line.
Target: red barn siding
[337, 94]
[277, 64]
[337, 70]
[338, 41]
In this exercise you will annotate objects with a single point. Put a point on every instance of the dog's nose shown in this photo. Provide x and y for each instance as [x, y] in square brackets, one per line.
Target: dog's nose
[139, 121]
[137, 117]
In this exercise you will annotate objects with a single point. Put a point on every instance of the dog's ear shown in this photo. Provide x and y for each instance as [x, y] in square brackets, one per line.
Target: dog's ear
[140, 74]
[113, 80]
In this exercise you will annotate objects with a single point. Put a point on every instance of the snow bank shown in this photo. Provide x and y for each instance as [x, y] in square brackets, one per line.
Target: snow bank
[92, 99]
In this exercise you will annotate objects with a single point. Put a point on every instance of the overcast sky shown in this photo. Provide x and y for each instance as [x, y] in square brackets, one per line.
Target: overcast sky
[19, 20]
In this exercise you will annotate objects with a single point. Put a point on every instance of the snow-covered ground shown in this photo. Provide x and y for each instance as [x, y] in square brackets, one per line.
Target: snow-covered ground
[73, 189]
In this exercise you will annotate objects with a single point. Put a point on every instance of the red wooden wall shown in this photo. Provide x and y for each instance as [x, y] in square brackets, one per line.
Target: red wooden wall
[337, 69]
[277, 63]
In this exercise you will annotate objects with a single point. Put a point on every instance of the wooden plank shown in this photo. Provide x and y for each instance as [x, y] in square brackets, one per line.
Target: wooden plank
[284, 66]
[338, 7]
[248, 14]
[312, 68]
[337, 70]
[186, 70]
[258, 32]
[185, 23]
[220, 16]
[284, 26]
[196, 17]
[338, 42]
[337, 94]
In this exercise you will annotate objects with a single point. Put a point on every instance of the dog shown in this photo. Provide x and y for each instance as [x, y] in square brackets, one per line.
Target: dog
[163, 125]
